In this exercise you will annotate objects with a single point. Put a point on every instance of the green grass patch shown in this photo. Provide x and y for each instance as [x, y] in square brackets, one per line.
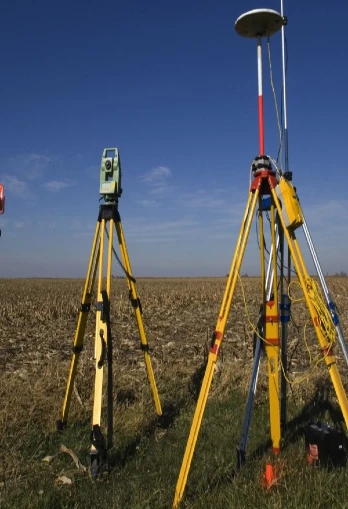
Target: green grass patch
[146, 459]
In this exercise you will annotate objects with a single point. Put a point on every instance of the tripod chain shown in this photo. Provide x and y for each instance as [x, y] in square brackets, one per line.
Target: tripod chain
[135, 302]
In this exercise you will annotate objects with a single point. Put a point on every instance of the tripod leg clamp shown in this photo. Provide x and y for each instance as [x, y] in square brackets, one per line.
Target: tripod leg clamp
[103, 351]
[135, 302]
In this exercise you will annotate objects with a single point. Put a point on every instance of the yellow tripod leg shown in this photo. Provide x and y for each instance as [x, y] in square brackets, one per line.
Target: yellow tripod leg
[101, 339]
[81, 326]
[272, 346]
[329, 356]
[271, 330]
[262, 256]
[215, 347]
[224, 305]
[137, 311]
[272, 351]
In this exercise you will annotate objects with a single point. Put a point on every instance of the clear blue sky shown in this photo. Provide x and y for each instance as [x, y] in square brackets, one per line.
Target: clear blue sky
[174, 87]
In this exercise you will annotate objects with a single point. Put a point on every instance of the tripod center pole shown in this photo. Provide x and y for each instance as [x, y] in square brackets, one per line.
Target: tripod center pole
[286, 142]
[259, 80]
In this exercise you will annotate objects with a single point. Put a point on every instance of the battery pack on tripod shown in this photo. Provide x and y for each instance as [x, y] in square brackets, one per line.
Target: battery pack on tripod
[325, 445]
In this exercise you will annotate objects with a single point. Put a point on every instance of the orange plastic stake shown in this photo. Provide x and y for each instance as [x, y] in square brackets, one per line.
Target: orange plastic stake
[269, 477]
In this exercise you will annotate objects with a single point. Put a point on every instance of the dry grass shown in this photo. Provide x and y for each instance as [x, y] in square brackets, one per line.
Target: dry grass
[37, 326]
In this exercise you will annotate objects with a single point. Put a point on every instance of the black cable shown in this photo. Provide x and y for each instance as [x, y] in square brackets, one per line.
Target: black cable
[264, 240]
[285, 267]
[257, 231]
[282, 128]
[129, 276]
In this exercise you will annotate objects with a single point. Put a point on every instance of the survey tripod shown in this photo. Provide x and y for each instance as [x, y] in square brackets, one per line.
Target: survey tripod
[285, 302]
[110, 189]
[271, 192]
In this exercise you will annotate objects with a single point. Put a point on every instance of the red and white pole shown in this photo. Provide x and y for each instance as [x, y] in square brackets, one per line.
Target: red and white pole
[259, 80]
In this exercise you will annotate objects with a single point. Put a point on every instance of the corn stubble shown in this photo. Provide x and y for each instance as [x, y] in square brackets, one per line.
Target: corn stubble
[37, 325]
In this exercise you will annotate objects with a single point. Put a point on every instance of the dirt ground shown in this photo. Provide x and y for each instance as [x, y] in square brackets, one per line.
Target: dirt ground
[38, 319]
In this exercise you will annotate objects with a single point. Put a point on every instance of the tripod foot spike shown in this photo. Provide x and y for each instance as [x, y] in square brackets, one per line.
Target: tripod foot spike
[94, 470]
[240, 458]
[98, 466]
[60, 425]
[98, 454]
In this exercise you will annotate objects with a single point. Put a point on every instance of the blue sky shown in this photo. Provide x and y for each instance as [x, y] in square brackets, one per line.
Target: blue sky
[174, 87]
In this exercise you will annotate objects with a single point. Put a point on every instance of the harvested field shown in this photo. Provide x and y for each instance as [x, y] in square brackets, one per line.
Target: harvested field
[37, 325]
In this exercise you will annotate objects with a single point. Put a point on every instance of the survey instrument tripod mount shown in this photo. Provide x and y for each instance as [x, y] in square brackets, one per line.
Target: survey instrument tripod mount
[108, 211]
